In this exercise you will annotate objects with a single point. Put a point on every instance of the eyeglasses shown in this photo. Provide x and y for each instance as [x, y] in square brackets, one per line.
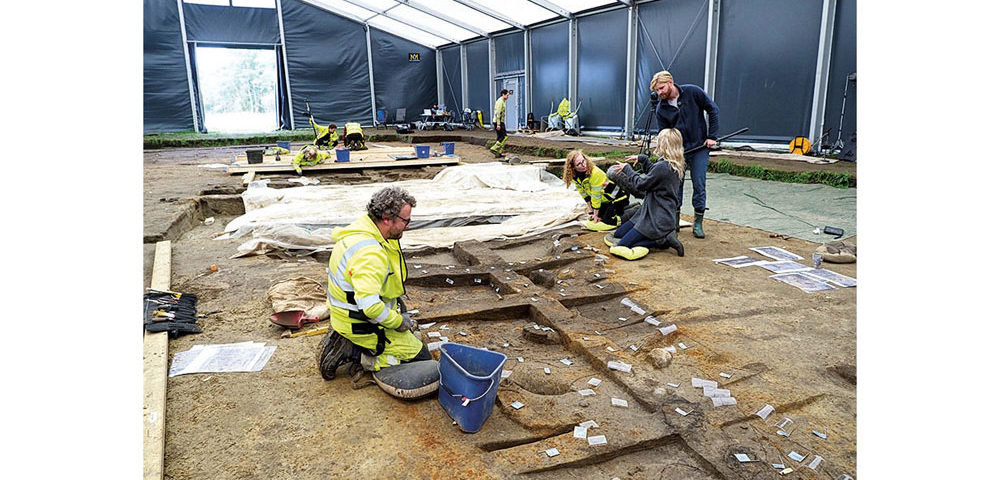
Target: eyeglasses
[406, 221]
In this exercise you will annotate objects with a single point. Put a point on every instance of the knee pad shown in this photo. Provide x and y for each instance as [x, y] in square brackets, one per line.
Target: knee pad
[409, 380]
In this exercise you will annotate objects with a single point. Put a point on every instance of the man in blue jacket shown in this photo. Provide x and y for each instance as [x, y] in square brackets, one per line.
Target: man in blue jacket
[684, 107]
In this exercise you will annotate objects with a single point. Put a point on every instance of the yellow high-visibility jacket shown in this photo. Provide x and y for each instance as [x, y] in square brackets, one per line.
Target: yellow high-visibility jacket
[300, 160]
[366, 276]
[563, 109]
[324, 137]
[500, 111]
[592, 188]
[353, 127]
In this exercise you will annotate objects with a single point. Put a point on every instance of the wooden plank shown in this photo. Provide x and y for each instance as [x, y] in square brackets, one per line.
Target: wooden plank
[154, 373]
[238, 168]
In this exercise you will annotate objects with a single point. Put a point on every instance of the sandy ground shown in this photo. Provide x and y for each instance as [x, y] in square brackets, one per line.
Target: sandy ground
[792, 350]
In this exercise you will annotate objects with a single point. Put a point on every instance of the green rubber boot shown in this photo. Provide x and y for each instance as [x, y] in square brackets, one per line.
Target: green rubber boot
[697, 229]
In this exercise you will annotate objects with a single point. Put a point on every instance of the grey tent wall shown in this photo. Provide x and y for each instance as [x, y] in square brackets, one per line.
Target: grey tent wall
[672, 36]
[767, 67]
[549, 67]
[452, 79]
[510, 52]
[843, 62]
[601, 83]
[166, 99]
[400, 83]
[327, 65]
[478, 64]
[208, 23]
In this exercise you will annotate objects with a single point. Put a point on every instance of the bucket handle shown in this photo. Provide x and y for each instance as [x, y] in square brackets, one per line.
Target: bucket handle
[465, 400]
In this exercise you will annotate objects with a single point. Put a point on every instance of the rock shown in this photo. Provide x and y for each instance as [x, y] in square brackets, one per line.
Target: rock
[542, 278]
[514, 159]
[660, 357]
[540, 336]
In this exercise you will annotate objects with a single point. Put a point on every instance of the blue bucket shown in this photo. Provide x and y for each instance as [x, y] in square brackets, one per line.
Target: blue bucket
[449, 148]
[423, 151]
[343, 154]
[285, 145]
[471, 376]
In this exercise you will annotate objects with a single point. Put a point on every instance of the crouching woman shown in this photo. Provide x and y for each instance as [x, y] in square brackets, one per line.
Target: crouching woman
[655, 224]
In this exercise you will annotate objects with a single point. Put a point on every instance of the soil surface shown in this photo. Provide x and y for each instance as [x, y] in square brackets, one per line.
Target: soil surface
[778, 345]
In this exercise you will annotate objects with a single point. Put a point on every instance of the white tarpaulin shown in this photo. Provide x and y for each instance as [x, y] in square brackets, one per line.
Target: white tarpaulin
[466, 202]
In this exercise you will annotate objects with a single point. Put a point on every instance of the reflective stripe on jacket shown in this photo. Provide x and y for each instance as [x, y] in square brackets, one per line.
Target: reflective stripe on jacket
[353, 127]
[365, 276]
[324, 137]
[592, 188]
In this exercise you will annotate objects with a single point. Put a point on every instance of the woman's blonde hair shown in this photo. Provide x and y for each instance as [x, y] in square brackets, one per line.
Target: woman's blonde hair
[670, 146]
[310, 152]
[568, 168]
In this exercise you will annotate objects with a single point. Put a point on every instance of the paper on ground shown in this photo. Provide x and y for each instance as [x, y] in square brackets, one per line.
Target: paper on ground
[783, 266]
[231, 357]
[552, 452]
[742, 457]
[587, 392]
[698, 382]
[597, 440]
[831, 277]
[776, 253]
[716, 392]
[722, 401]
[618, 402]
[803, 282]
[740, 261]
[594, 382]
[796, 456]
[589, 424]
[579, 432]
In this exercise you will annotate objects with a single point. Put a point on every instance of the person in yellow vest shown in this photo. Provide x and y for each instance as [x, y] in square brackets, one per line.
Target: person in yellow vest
[605, 201]
[499, 123]
[326, 137]
[368, 328]
[308, 156]
[354, 137]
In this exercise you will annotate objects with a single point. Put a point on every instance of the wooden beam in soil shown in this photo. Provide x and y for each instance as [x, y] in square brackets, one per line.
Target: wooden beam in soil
[154, 373]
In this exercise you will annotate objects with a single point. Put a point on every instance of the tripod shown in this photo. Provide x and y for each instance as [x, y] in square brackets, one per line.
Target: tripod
[646, 134]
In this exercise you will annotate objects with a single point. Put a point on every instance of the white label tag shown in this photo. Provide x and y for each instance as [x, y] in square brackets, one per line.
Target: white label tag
[434, 334]
[552, 452]
[505, 373]
[671, 349]
[566, 361]
[597, 440]
[517, 405]
[668, 329]
[764, 412]
[796, 456]
[619, 402]
[587, 392]
[652, 321]
[742, 457]
[465, 402]
[589, 424]
[725, 375]
[520, 359]
[722, 401]
[579, 432]
[682, 412]
[623, 367]
[815, 462]
[593, 382]
[673, 385]
[546, 370]
[819, 434]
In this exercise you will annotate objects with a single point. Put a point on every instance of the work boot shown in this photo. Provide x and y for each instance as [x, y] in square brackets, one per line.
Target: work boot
[334, 351]
[696, 228]
[610, 240]
[633, 253]
[675, 243]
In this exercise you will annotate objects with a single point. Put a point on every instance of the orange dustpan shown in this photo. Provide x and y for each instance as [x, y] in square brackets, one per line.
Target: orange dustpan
[292, 319]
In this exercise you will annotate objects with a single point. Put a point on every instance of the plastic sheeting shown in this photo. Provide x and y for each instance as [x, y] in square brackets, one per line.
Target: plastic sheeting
[672, 36]
[166, 100]
[209, 23]
[509, 52]
[477, 55]
[843, 62]
[767, 67]
[549, 67]
[528, 199]
[452, 79]
[400, 83]
[327, 65]
[601, 67]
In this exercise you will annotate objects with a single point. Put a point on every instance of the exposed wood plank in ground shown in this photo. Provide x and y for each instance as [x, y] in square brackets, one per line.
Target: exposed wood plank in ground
[238, 168]
[154, 373]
